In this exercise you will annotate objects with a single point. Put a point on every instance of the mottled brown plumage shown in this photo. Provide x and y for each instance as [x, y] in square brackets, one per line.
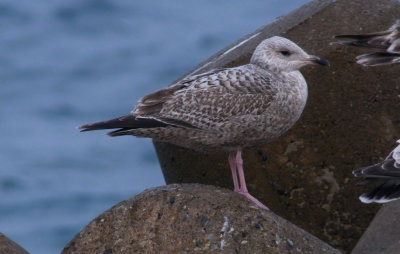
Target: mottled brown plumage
[226, 109]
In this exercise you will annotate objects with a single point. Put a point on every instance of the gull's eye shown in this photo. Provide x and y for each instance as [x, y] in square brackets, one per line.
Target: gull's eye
[285, 53]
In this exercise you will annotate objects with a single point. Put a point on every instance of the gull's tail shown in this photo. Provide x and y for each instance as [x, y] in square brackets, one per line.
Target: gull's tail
[388, 181]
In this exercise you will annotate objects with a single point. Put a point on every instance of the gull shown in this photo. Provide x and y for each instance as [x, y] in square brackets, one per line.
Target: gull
[388, 42]
[225, 109]
[387, 172]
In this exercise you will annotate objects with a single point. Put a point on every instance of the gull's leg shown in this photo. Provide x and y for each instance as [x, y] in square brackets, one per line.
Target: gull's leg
[232, 164]
[243, 189]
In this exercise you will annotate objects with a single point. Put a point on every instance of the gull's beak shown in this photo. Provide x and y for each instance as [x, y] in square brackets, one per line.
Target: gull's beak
[318, 60]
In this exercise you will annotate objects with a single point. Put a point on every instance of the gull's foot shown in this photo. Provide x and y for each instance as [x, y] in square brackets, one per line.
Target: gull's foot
[254, 200]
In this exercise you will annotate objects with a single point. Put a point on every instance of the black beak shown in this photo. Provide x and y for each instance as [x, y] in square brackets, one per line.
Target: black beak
[319, 60]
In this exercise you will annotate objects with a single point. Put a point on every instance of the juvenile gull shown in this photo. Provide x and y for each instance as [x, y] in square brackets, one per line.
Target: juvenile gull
[388, 42]
[226, 109]
[385, 173]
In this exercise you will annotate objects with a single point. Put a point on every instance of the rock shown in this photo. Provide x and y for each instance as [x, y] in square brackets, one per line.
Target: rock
[351, 119]
[8, 246]
[188, 218]
[382, 235]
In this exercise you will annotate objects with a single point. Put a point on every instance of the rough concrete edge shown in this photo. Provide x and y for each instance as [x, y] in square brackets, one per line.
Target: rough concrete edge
[379, 226]
[158, 190]
[175, 186]
[242, 46]
[6, 244]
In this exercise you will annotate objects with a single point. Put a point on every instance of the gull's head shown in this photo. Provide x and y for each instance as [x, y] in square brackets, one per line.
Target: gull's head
[282, 54]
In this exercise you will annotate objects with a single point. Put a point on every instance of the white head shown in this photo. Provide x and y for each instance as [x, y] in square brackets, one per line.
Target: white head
[282, 54]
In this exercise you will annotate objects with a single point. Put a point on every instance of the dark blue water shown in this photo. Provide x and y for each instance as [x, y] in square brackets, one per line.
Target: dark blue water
[65, 63]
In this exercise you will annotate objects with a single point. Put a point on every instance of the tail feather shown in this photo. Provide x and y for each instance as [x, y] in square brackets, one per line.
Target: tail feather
[385, 176]
[386, 192]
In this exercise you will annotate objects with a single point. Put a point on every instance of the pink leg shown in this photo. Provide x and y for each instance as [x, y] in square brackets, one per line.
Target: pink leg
[243, 188]
[239, 164]
[232, 164]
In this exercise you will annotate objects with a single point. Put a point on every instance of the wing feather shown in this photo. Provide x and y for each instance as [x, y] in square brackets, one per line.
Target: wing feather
[201, 100]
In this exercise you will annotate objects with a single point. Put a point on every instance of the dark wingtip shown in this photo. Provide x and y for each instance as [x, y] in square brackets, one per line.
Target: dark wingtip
[357, 172]
[124, 124]
[346, 43]
[349, 36]
[340, 36]
[82, 128]
[360, 36]
[85, 127]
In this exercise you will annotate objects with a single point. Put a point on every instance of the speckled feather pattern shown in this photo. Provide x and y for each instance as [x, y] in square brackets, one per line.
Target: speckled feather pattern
[229, 108]
[225, 109]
